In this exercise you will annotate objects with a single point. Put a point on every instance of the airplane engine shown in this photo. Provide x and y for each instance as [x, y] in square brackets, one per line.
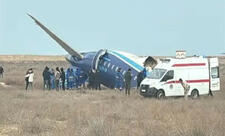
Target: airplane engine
[100, 55]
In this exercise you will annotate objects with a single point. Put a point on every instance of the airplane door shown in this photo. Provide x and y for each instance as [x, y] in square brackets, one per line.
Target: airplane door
[97, 58]
[214, 74]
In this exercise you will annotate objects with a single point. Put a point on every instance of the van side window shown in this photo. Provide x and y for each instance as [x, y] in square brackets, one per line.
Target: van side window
[215, 72]
[169, 75]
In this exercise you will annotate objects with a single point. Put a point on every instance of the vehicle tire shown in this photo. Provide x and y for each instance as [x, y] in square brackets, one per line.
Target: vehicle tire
[160, 94]
[194, 94]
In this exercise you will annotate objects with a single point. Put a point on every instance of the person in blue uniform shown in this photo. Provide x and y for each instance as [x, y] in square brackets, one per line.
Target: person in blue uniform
[144, 73]
[67, 78]
[70, 75]
[52, 78]
[119, 80]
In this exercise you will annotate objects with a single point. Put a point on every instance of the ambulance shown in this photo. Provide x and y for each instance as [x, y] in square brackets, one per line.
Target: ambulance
[202, 74]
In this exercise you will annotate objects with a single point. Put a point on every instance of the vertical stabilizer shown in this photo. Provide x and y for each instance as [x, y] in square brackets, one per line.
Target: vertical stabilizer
[58, 40]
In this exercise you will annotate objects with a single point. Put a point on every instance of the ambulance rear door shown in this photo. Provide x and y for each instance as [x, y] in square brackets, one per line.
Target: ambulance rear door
[214, 74]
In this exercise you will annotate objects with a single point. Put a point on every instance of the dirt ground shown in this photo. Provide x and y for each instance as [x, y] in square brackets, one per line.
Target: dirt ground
[100, 113]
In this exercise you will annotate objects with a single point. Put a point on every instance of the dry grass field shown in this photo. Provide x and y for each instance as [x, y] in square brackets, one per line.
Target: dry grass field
[100, 113]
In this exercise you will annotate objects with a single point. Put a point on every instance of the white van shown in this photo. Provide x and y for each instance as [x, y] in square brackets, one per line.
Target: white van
[202, 74]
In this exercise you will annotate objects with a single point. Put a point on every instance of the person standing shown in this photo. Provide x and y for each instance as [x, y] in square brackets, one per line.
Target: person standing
[52, 78]
[1, 72]
[127, 78]
[83, 79]
[30, 76]
[71, 79]
[67, 78]
[78, 77]
[57, 78]
[63, 78]
[119, 80]
[26, 79]
[91, 79]
[139, 79]
[144, 73]
[46, 79]
[97, 80]
[186, 88]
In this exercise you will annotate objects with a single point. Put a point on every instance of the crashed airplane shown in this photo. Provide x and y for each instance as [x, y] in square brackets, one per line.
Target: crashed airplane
[106, 61]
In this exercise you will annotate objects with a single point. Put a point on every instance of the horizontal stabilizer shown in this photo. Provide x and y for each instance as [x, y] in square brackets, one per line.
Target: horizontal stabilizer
[58, 40]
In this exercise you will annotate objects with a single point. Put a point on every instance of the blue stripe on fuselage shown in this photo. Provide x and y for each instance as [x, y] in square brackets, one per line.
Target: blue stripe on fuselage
[131, 62]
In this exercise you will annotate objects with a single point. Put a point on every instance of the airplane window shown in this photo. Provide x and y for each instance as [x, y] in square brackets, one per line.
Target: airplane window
[105, 63]
[116, 69]
[121, 71]
[215, 72]
[113, 66]
[124, 72]
[109, 65]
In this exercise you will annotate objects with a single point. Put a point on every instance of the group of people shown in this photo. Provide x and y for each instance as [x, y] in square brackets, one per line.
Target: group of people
[60, 80]
[1, 71]
[52, 78]
[75, 78]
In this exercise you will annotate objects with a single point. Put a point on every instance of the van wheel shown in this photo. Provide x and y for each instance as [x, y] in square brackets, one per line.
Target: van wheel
[194, 94]
[160, 94]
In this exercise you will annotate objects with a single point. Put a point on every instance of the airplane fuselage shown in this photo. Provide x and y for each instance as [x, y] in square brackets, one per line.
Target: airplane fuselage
[108, 68]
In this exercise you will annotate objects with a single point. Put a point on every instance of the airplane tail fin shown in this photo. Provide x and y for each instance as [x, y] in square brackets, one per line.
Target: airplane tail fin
[58, 40]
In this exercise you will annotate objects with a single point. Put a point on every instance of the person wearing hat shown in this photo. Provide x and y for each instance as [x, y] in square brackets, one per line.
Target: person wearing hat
[127, 78]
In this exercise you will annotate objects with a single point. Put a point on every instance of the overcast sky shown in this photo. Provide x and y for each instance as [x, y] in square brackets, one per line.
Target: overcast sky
[141, 27]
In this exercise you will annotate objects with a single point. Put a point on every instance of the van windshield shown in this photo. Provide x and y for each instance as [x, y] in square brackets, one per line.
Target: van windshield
[156, 73]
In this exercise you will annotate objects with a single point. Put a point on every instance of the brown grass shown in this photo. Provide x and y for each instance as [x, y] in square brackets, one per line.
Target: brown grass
[102, 113]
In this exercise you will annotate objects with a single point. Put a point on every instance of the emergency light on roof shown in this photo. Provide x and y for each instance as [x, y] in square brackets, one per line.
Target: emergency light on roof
[181, 54]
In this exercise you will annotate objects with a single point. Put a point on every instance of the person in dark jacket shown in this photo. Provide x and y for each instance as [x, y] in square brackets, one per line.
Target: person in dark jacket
[63, 78]
[91, 80]
[97, 80]
[26, 79]
[128, 78]
[140, 77]
[46, 78]
[1, 72]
